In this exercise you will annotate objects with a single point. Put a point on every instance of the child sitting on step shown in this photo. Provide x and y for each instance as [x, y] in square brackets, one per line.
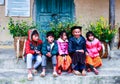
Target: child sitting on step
[77, 50]
[49, 51]
[63, 60]
[93, 46]
[33, 52]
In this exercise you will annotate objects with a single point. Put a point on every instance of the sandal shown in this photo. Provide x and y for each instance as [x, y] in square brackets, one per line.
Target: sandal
[30, 76]
[76, 72]
[55, 74]
[83, 73]
[42, 74]
[34, 71]
[96, 71]
[59, 72]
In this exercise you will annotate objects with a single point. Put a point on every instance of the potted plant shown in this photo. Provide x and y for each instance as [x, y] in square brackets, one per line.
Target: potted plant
[102, 31]
[61, 25]
[19, 30]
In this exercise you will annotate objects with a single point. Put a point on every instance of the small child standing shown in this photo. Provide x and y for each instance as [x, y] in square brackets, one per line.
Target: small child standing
[63, 60]
[33, 52]
[77, 50]
[93, 46]
[49, 50]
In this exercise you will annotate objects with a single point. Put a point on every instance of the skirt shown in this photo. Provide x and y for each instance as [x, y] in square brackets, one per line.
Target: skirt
[96, 61]
[78, 57]
[64, 62]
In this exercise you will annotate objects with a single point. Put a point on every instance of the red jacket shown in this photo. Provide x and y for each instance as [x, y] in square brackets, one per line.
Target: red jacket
[93, 47]
[31, 45]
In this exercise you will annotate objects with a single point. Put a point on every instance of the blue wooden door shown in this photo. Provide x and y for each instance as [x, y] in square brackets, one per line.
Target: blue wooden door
[47, 10]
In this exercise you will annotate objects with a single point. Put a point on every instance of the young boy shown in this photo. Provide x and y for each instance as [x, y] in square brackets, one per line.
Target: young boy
[33, 52]
[77, 50]
[49, 50]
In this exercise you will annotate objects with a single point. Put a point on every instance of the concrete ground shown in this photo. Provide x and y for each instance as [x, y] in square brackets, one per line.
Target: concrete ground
[12, 72]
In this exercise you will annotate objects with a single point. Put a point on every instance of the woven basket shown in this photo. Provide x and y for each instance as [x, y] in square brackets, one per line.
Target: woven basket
[21, 45]
[105, 50]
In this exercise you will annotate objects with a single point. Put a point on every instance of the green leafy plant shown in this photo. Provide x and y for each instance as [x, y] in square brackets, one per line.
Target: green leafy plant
[63, 24]
[19, 28]
[101, 29]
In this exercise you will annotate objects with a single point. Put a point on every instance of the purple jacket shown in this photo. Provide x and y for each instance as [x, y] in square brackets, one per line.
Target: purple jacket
[62, 46]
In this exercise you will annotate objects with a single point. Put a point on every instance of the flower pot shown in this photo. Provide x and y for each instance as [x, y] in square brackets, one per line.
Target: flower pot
[105, 50]
[19, 44]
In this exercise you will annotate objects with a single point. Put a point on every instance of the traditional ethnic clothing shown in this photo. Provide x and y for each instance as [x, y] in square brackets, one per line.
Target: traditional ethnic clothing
[78, 58]
[93, 48]
[63, 60]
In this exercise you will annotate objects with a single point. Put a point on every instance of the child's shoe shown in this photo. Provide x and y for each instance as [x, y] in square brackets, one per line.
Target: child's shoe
[88, 70]
[83, 73]
[76, 72]
[42, 74]
[55, 74]
[59, 72]
[96, 71]
[69, 70]
[30, 76]
[34, 71]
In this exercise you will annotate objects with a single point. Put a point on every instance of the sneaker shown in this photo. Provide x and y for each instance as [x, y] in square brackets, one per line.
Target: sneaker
[42, 74]
[76, 72]
[83, 73]
[34, 71]
[55, 74]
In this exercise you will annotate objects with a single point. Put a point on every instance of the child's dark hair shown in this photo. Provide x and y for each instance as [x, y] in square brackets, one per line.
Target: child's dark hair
[62, 32]
[50, 33]
[89, 33]
[76, 27]
[35, 32]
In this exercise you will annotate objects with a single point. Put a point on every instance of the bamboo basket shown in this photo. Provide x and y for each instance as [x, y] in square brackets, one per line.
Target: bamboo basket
[19, 44]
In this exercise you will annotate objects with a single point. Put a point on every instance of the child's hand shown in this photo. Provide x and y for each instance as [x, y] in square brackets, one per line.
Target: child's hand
[37, 52]
[82, 51]
[86, 53]
[48, 54]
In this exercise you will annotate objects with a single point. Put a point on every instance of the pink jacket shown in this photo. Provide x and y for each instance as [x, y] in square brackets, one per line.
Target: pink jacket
[93, 47]
[62, 46]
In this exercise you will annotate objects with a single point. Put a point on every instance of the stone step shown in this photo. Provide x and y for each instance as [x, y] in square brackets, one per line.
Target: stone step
[115, 53]
[16, 77]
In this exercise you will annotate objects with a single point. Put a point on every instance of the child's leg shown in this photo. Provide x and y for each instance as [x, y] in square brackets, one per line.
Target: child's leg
[54, 62]
[82, 68]
[44, 63]
[29, 66]
[38, 61]
[29, 62]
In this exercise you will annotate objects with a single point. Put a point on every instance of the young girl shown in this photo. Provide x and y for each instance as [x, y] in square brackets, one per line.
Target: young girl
[63, 60]
[33, 52]
[93, 46]
[77, 50]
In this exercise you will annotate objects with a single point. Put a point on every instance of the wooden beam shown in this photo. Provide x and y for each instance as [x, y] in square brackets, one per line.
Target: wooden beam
[112, 13]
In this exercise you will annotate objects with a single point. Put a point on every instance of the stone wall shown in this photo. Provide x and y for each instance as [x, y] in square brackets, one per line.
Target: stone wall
[5, 37]
[85, 11]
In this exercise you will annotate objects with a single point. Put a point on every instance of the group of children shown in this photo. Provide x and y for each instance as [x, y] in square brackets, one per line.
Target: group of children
[74, 55]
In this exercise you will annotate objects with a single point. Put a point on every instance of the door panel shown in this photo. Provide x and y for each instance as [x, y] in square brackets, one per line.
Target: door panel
[48, 10]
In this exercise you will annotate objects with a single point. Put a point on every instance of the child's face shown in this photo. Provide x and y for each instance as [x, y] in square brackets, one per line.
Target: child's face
[35, 37]
[91, 37]
[76, 33]
[64, 36]
[50, 39]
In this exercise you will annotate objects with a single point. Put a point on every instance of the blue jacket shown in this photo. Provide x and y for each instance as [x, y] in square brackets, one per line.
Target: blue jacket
[46, 48]
[74, 45]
